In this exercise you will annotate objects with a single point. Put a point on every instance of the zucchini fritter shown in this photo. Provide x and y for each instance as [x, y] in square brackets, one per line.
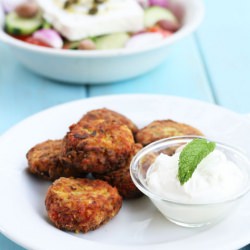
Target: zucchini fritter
[157, 130]
[43, 161]
[109, 115]
[97, 146]
[121, 178]
[81, 205]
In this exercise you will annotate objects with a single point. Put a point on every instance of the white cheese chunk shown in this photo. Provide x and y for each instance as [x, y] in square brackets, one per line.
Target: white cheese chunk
[112, 16]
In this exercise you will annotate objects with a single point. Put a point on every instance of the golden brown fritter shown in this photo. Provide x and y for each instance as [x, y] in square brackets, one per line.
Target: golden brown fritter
[81, 205]
[97, 146]
[121, 178]
[109, 115]
[157, 130]
[43, 161]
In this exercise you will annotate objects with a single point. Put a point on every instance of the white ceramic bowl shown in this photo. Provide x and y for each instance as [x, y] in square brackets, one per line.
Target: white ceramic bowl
[96, 67]
[188, 214]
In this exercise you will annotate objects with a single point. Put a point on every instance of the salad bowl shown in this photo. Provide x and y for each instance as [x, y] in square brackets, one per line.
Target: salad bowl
[102, 66]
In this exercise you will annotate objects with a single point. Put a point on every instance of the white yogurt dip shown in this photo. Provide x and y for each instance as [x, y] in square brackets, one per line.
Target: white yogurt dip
[215, 179]
[112, 16]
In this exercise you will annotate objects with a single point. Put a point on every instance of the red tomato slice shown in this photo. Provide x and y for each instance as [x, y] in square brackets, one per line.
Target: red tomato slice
[22, 38]
[157, 29]
[35, 41]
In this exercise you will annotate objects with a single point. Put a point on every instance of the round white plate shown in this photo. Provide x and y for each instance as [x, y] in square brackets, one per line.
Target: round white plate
[138, 225]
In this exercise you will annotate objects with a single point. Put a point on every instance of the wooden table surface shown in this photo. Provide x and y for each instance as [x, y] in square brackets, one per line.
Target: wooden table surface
[212, 65]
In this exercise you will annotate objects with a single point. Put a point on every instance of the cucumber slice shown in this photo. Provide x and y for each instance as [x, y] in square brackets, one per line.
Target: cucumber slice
[113, 41]
[16, 25]
[154, 14]
[46, 25]
[75, 44]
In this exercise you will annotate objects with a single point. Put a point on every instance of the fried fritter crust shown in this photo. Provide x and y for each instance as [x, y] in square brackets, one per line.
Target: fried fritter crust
[121, 178]
[43, 161]
[97, 146]
[81, 205]
[160, 129]
[109, 115]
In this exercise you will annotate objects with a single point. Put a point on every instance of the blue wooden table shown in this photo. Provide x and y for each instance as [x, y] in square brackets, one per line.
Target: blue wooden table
[212, 65]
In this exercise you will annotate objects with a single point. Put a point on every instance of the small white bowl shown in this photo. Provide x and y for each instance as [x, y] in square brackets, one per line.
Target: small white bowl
[96, 67]
[188, 214]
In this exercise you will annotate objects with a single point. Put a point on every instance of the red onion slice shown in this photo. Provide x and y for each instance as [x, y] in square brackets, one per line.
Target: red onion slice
[50, 37]
[161, 3]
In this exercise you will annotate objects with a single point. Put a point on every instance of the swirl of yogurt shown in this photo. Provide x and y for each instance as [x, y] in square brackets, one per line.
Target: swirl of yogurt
[215, 178]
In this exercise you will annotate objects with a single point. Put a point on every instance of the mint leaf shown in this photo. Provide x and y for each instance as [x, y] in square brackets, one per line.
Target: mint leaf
[191, 155]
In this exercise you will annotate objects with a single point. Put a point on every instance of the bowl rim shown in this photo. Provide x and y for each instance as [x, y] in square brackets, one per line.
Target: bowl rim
[158, 197]
[182, 32]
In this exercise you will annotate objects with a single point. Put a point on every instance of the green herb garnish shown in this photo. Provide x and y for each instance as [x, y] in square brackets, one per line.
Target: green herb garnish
[191, 155]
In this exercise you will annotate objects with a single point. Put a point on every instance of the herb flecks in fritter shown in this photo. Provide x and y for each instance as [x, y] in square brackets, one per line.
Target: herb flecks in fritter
[109, 115]
[97, 146]
[160, 129]
[43, 161]
[81, 205]
[121, 178]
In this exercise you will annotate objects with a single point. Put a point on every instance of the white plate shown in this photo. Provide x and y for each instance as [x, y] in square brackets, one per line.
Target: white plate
[138, 225]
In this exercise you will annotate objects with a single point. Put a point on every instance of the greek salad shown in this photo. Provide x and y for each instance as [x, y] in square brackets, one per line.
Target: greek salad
[89, 24]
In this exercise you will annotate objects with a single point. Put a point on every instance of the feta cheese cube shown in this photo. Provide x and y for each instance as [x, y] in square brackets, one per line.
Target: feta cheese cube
[75, 23]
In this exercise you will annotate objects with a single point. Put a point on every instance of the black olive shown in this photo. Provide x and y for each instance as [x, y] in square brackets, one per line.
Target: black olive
[93, 10]
[99, 1]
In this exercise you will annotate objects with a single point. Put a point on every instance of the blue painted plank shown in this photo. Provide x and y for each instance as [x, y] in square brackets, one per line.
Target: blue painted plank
[224, 40]
[22, 93]
[181, 74]
[6, 244]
